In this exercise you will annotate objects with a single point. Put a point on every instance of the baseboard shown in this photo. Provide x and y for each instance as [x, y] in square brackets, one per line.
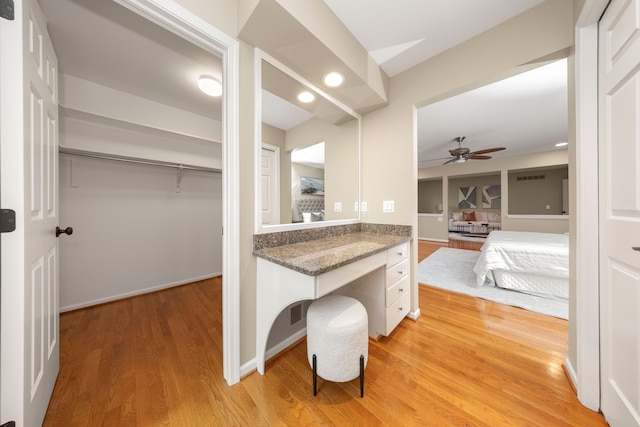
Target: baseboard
[429, 239]
[251, 365]
[413, 315]
[135, 293]
[570, 372]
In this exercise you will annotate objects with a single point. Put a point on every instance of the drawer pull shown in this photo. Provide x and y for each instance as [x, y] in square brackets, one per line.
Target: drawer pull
[400, 273]
[400, 253]
[400, 290]
[399, 308]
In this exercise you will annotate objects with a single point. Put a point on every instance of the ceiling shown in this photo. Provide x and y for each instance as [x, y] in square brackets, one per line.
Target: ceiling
[103, 42]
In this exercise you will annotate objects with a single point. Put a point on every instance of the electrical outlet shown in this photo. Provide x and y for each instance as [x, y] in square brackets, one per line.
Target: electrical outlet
[364, 207]
[337, 207]
[355, 207]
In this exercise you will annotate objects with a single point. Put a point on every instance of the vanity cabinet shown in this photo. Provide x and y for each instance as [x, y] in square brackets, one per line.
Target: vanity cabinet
[397, 283]
[384, 292]
[371, 267]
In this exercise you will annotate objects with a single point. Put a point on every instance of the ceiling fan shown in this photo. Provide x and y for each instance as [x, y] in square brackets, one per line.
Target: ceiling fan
[462, 154]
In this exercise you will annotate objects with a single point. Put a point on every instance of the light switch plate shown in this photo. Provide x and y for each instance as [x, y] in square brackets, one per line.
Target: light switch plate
[355, 207]
[387, 206]
[337, 207]
[364, 207]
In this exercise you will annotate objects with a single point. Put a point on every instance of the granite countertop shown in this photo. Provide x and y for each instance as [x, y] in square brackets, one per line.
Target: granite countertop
[315, 257]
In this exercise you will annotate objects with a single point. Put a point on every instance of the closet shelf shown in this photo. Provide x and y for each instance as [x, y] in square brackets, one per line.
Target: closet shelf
[113, 122]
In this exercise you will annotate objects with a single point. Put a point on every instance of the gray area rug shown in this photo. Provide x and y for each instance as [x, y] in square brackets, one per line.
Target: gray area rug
[452, 269]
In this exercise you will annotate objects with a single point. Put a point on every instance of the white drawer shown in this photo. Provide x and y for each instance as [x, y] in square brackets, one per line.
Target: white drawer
[397, 312]
[397, 272]
[394, 292]
[397, 254]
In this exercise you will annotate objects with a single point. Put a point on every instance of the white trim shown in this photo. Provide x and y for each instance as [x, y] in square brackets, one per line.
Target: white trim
[258, 57]
[194, 29]
[284, 344]
[519, 216]
[138, 292]
[435, 215]
[587, 321]
[429, 239]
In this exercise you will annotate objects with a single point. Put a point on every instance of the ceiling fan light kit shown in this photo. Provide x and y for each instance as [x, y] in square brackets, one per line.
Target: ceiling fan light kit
[462, 154]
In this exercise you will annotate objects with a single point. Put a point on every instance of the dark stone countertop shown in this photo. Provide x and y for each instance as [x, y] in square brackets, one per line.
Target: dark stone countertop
[315, 257]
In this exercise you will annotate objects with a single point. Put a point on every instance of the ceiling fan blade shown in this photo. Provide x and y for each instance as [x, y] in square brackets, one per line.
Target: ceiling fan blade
[478, 157]
[449, 161]
[434, 160]
[488, 150]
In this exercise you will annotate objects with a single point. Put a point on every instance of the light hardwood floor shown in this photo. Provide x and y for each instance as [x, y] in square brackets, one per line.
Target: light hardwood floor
[157, 360]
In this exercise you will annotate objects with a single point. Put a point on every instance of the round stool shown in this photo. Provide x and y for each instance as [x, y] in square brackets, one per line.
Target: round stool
[337, 339]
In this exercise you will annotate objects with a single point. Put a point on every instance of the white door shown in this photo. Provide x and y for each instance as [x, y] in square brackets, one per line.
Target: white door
[619, 145]
[270, 183]
[29, 267]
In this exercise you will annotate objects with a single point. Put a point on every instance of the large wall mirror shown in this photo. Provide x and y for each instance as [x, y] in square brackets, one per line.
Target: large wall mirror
[307, 154]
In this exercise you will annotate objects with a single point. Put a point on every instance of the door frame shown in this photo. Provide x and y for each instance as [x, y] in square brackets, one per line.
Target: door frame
[586, 377]
[194, 29]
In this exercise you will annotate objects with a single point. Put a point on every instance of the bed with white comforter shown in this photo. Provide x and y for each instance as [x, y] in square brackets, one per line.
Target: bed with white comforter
[535, 263]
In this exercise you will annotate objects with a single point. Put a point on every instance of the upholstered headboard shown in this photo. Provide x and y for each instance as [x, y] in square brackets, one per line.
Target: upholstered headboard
[312, 205]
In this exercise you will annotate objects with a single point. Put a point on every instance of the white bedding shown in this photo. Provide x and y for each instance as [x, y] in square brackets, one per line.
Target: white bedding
[536, 263]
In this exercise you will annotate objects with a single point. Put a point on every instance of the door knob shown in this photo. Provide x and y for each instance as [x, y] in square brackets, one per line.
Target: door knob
[68, 231]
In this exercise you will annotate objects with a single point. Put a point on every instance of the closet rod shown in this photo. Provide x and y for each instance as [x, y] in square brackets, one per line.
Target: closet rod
[83, 153]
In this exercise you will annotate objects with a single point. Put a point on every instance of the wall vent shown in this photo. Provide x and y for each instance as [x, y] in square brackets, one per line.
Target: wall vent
[296, 314]
[528, 178]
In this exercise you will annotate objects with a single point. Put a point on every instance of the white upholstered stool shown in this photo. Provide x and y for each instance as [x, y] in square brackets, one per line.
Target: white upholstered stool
[337, 339]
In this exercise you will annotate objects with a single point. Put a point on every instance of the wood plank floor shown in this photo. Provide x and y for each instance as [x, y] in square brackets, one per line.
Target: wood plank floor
[157, 360]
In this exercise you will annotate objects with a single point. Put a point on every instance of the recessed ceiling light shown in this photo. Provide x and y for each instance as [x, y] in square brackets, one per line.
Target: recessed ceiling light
[306, 97]
[210, 85]
[561, 144]
[333, 79]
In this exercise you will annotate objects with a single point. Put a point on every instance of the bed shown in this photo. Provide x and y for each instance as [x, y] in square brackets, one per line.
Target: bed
[534, 263]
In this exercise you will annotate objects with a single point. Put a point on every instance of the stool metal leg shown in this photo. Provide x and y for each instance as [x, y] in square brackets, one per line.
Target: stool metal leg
[315, 374]
[361, 375]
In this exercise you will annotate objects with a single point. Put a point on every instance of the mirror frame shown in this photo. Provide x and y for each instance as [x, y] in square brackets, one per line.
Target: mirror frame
[259, 57]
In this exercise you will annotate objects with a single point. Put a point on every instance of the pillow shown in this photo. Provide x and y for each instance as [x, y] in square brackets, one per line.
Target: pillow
[482, 216]
[494, 217]
[456, 216]
[306, 216]
[468, 216]
[317, 216]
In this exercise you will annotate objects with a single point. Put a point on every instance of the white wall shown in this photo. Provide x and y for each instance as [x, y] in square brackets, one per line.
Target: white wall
[133, 232]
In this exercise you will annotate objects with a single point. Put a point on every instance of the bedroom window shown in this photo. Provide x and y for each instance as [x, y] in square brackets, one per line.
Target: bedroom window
[538, 191]
[430, 196]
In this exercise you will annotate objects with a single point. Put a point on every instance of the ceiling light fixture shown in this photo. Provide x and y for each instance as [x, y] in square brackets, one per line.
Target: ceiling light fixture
[562, 144]
[210, 85]
[333, 79]
[306, 97]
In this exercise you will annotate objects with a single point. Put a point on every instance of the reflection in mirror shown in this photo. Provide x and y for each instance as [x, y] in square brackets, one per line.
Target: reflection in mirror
[539, 191]
[310, 161]
[430, 196]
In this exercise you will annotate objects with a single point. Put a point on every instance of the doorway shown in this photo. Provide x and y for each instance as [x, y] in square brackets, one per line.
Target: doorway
[214, 43]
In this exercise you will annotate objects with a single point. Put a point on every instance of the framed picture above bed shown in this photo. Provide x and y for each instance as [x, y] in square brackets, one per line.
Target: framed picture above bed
[313, 186]
[467, 197]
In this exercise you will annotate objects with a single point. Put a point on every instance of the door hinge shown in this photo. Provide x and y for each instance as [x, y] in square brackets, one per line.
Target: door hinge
[7, 12]
[7, 221]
